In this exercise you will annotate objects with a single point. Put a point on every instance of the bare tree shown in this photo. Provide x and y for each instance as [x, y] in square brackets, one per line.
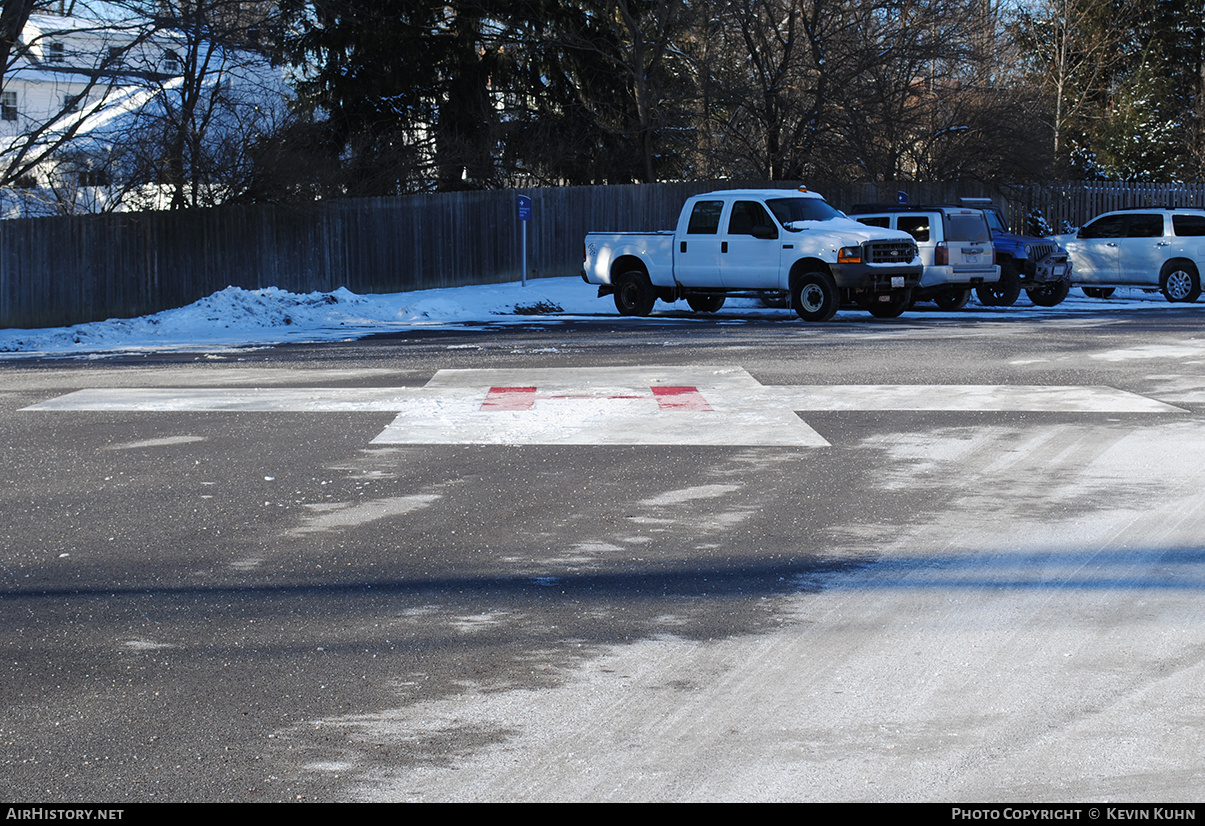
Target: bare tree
[14, 14]
[786, 83]
[213, 95]
[646, 46]
[903, 55]
[1069, 48]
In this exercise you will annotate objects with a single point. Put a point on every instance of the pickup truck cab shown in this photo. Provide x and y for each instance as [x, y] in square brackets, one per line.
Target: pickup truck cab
[757, 242]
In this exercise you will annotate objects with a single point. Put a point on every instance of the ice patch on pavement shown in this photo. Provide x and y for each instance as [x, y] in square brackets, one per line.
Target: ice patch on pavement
[164, 442]
[677, 497]
[328, 517]
[146, 645]
[1187, 350]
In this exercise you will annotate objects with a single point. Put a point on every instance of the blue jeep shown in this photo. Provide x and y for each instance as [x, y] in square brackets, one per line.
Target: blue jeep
[1039, 265]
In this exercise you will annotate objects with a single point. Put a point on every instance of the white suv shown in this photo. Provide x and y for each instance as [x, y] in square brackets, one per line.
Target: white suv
[955, 246]
[1151, 247]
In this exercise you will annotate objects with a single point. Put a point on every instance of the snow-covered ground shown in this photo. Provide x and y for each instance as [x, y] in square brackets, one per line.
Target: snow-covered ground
[234, 317]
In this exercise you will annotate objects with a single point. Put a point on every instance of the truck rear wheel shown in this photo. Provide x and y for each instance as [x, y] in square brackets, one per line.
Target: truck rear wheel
[634, 294]
[814, 296]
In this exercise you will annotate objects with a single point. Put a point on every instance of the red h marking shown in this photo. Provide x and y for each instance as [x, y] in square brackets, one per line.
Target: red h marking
[524, 398]
[680, 398]
[509, 398]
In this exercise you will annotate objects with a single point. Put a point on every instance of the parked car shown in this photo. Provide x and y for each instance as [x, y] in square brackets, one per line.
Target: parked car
[1039, 265]
[756, 243]
[955, 247]
[1149, 247]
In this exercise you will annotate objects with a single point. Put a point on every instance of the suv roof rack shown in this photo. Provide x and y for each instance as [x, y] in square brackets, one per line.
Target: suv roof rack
[908, 207]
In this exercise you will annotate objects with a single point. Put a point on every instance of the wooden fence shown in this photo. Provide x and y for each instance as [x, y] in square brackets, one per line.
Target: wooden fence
[56, 271]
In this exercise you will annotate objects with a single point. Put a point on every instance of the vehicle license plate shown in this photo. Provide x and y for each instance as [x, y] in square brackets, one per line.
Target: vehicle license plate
[1058, 269]
[897, 282]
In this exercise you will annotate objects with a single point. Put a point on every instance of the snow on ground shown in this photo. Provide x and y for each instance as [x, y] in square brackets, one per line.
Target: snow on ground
[238, 318]
[235, 317]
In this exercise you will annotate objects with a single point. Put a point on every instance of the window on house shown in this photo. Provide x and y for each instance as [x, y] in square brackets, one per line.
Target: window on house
[116, 56]
[71, 103]
[55, 53]
[94, 177]
[8, 105]
[171, 61]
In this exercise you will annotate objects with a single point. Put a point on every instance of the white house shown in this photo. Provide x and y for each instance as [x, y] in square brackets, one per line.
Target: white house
[81, 92]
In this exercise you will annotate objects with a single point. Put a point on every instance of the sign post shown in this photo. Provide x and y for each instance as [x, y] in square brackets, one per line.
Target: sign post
[524, 207]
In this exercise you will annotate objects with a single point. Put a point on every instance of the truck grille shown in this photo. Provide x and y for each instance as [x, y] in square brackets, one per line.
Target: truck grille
[1036, 251]
[890, 252]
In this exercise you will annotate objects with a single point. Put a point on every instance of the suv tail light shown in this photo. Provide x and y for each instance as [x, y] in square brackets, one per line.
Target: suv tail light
[941, 255]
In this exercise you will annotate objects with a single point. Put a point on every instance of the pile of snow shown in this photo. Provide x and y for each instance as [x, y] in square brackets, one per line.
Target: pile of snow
[236, 317]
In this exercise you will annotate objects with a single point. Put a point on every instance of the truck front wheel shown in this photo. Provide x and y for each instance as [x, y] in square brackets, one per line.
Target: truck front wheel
[634, 295]
[814, 296]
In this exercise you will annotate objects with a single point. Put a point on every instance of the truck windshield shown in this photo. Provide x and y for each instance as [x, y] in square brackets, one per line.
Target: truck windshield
[787, 210]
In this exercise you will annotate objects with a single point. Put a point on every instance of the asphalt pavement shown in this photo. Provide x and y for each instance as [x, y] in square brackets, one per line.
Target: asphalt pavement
[938, 558]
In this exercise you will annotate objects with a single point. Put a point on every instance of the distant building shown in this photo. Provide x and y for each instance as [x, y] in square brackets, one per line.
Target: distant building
[85, 102]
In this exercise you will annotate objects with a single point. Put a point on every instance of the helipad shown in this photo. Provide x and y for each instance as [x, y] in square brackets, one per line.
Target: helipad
[688, 405]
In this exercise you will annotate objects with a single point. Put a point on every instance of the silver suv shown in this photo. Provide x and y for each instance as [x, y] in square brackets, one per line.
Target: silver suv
[1148, 248]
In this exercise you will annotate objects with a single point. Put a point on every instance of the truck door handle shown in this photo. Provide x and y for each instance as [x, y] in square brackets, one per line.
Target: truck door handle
[723, 246]
[683, 247]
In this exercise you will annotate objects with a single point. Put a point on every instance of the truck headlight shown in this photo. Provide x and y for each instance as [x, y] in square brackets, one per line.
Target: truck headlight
[849, 255]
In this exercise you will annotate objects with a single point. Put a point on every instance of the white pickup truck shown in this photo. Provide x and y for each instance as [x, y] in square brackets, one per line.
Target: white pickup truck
[771, 243]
